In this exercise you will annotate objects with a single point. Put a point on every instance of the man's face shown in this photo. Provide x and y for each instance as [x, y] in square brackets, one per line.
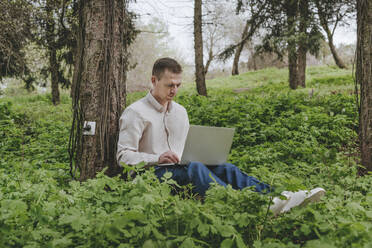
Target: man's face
[166, 88]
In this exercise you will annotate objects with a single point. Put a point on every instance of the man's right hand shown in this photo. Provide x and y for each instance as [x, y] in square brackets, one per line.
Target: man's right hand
[168, 157]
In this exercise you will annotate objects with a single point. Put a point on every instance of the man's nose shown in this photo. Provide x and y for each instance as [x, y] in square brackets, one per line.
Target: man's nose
[174, 89]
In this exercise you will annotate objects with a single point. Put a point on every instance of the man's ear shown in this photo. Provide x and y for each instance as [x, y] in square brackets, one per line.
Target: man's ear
[153, 80]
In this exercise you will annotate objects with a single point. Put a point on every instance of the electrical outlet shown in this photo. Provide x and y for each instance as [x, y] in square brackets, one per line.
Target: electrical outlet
[89, 128]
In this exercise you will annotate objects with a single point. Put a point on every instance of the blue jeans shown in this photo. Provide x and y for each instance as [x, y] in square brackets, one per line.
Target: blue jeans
[198, 175]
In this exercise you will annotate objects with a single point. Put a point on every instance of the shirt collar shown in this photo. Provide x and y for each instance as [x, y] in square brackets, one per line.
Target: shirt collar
[153, 102]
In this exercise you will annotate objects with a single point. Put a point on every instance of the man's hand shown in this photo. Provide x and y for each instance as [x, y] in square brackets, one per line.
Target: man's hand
[168, 157]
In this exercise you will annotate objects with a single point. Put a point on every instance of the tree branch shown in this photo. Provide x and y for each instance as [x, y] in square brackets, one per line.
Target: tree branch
[254, 23]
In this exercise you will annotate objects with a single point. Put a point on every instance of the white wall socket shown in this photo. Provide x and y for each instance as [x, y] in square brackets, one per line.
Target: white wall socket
[89, 128]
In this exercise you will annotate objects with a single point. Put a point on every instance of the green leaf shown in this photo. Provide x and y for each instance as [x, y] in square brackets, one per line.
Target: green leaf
[187, 243]
[305, 229]
[157, 234]
[319, 244]
[149, 244]
[369, 214]
[203, 229]
[167, 175]
[74, 219]
[227, 243]
[226, 231]
[239, 242]
[64, 242]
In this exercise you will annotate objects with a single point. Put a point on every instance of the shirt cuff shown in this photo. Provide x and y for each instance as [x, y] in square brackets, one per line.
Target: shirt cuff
[152, 159]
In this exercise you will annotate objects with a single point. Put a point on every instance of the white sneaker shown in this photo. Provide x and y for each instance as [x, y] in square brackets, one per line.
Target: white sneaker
[278, 205]
[294, 199]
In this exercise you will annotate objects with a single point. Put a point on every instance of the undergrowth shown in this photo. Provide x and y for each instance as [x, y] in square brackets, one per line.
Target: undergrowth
[289, 139]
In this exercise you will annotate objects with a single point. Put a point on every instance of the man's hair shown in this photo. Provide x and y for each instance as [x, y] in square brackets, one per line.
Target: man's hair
[163, 64]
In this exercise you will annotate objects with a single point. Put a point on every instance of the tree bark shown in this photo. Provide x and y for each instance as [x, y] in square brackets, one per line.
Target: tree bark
[337, 58]
[99, 81]
[52, 52]
[291, 11]
[198, 45]
[238, 51]
[292, 66]
[302, 45]
[53, 66]
[364, 78]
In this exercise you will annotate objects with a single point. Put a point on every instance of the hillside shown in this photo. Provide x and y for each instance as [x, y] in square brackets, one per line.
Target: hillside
[290, 139]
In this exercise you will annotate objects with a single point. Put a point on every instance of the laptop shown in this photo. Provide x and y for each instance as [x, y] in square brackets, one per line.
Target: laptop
[205, 144]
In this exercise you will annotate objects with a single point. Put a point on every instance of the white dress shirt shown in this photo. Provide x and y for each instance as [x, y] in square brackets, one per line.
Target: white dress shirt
[148, 129]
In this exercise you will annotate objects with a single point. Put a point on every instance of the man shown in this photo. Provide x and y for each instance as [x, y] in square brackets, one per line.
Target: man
[154, 129]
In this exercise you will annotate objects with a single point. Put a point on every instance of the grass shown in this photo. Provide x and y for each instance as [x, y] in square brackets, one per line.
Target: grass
[37, 106]
[323, 79]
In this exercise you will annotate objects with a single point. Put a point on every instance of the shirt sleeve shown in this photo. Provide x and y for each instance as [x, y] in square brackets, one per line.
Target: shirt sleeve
[131, 130]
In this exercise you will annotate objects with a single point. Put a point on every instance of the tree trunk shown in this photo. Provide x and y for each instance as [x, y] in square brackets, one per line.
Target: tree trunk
[209, 61]
[210, 55]
[198, 45]
[301, 66]
[77, 54]
[292, 65]
[324, 24]
[100, 89]
[364, 78]
[291, 11]
[52, 53]
[337, 58]
[254, 61]
[302, 45]
[238, 51]
[53, 67]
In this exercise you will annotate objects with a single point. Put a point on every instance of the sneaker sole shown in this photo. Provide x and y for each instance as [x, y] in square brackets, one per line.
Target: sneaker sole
[314, 197]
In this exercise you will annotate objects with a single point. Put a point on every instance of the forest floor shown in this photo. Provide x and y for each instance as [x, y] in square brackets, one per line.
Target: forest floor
[290, 139]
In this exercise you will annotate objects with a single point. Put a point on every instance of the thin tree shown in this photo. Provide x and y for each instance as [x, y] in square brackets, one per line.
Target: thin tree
[364, 79]
[54, 33]
[238, 51]
[198, 46]
[99, 82]
[210, 46]
[217, 29]
[333, 13]
[52, 51]
[258, 15]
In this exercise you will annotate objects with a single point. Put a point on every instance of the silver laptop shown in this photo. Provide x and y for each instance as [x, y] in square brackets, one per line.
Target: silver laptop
[209, 145]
